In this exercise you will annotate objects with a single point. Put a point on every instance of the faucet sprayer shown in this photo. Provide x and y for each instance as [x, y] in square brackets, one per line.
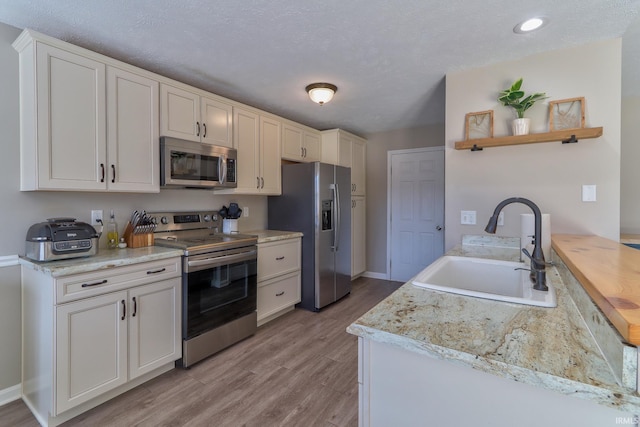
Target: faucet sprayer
[538, 274]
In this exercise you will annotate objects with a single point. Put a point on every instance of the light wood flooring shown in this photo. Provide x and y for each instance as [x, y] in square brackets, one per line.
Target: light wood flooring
[297, 370]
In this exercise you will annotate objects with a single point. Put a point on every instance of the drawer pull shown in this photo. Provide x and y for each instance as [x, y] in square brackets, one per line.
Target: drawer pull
[279, 294]
[86, 285]
[156, 271]
[280, 258]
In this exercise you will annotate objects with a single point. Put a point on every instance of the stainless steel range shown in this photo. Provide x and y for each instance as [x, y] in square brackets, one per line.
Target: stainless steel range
[219, 281]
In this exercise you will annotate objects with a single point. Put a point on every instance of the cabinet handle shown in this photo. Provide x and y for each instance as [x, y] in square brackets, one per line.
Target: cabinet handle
[258, 185]
[124, 310]
[301, 152]
[113, 173]
[304, 152]
[280, 258]
[279, 294]
[197, 128]
[262, 182]
[156, 271]
[101, 172]
[87, 285]
[204, 132]
[135, 307]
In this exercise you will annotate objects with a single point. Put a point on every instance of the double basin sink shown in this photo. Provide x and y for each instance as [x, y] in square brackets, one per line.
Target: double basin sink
[497, 280]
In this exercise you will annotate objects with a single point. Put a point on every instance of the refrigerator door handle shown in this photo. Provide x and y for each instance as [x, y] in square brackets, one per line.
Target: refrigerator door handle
[336, 217]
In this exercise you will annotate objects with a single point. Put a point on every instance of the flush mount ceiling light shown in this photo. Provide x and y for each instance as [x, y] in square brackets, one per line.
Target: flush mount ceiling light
[321, 93]
[530, 25]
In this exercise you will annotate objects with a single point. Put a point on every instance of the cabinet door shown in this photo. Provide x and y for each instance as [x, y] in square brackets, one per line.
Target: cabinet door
[358, 236]
[270, 169]
[133, 151]
[90, 348]
[71, 121]
[246, 141]
[292, 143]
[311, 147]
[179, 113]
[344, 151]
[217, 119]
[358, 168]
[154, 326]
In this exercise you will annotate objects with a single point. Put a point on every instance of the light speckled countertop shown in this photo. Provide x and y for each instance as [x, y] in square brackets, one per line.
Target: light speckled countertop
[265, 236]
[546, 347]
[104, 259]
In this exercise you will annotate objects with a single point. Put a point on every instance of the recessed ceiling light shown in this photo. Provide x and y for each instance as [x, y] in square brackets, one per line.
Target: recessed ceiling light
[530, 25]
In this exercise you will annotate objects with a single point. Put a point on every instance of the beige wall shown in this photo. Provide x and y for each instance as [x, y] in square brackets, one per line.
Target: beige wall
[550, 174]
[18, 210]
[629, 166]
[378, 144]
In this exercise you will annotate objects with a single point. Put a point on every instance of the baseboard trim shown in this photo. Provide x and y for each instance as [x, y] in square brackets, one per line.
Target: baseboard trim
[10, 394]
[374, 275]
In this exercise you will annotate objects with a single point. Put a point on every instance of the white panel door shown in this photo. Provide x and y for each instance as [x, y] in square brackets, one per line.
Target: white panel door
[71, 121]
[91, 348]
[358, 236]
[292, 143]
[311, 147]
[416, 211]
[179, 113]
[246, 140]
[270, 170]
[154, 326]
[133, 151]
[217, 120]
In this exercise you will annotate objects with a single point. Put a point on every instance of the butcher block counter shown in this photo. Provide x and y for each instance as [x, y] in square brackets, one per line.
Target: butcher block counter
[610, 273]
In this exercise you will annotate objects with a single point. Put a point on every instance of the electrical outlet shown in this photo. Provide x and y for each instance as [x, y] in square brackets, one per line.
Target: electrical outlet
[245, 211]
[468, 217]
[501, 218]
[95, 216]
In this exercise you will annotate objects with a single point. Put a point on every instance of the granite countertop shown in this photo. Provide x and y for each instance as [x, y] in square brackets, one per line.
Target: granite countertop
[104, 259]
[266, 236]
[546, 347]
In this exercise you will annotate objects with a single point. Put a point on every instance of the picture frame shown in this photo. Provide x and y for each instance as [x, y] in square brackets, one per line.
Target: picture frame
[478, 125]
[566, 114]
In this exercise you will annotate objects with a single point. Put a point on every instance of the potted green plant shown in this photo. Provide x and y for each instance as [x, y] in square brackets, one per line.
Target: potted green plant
[515, 98]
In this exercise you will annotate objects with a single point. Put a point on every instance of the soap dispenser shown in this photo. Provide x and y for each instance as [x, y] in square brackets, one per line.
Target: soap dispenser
[112, 232]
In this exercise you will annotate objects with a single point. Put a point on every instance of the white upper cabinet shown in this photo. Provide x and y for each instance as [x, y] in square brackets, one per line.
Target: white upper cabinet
[85, 126]
[344, 149]
[358, 167]
[300, 144]
[133, 150]
[191, 116]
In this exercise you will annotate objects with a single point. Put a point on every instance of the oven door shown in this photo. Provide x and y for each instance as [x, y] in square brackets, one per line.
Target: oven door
[192, 164]
[218, 289]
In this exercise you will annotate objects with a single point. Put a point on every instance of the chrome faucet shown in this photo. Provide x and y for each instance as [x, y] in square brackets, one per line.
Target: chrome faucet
[538, 274]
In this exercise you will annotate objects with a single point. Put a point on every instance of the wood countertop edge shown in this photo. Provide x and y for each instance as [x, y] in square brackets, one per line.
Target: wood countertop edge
[582, 254]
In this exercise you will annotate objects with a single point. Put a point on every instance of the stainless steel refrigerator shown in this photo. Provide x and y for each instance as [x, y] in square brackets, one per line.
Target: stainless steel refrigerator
[316, 200]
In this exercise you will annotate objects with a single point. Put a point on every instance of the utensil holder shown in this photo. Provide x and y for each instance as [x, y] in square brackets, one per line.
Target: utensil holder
[137, 240]
[229, 226]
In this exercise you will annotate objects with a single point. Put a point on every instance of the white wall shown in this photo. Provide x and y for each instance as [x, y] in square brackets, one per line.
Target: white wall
[378, 144]
[18, 210]
[629, 170]
[550, 174]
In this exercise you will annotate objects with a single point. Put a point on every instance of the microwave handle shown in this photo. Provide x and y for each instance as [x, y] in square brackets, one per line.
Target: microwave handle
[222, 169]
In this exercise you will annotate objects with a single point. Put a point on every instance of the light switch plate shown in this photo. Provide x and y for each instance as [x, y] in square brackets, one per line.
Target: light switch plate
[468, 217]
[588, 193]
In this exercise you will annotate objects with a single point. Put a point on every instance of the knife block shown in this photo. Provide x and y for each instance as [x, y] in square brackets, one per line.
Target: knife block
[137, 240]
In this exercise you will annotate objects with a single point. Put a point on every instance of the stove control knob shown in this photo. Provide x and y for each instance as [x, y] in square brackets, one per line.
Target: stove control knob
[214, 217]
[207, 218]
[164, 220]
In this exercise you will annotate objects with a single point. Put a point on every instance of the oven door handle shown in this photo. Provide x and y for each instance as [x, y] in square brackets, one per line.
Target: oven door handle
[222, 169]
[212, 262]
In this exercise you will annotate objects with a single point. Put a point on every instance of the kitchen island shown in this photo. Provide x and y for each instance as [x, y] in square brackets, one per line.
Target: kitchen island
[429, 357]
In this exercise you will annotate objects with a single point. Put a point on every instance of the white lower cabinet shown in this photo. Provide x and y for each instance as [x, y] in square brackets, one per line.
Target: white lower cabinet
[358, 236]
[89, 337]
[279, 278]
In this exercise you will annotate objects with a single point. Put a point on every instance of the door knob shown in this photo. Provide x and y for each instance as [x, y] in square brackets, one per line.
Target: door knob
[438, 228]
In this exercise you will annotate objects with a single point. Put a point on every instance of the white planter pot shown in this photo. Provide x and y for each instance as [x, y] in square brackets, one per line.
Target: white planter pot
[521, 126]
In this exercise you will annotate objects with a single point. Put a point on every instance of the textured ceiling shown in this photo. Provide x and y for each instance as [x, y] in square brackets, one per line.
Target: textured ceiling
[388, 58]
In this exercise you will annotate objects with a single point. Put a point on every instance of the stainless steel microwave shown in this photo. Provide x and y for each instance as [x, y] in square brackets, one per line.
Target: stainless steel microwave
[195, 165]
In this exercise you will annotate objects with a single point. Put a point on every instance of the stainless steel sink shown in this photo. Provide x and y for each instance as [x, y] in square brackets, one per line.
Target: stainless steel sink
[484, 278]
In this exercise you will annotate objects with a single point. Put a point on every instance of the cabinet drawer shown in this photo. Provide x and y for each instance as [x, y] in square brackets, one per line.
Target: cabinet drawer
[71, 288]
[278, 258]
[277, 294]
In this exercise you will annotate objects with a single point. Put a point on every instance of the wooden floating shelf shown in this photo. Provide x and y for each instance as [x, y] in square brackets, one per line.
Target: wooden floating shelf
[569, 135]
